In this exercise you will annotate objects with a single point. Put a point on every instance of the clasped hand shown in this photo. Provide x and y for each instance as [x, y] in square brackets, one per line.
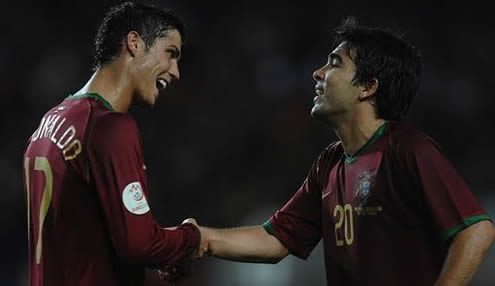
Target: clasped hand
[183, 268]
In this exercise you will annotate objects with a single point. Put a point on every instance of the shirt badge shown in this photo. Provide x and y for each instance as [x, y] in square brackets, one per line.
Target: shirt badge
[365, 184]
[134, 199]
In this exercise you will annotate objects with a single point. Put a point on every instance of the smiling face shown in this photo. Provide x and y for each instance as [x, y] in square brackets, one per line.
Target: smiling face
[336, 94]
[154, 68]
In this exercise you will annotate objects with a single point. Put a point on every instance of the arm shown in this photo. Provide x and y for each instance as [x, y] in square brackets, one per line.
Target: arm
[295, 228]
[245, 244]
[456, 213]
[466, 253]
[116, 171]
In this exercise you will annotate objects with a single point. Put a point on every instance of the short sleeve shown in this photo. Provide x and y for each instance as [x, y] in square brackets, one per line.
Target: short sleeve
[450, 201]
[298, 223]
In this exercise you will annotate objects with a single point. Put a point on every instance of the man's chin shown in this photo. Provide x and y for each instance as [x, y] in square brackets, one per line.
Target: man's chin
[150, 103]
[316, 112]
[320, 114]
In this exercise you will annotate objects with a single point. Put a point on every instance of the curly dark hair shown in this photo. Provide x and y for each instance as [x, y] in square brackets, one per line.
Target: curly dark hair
[150, 22]
[379, 54]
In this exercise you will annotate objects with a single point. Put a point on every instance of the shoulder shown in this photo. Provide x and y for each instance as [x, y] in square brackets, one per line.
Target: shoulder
[114, 128]
[329, 156]
[406, 140]
[333, 150]
[110, 121]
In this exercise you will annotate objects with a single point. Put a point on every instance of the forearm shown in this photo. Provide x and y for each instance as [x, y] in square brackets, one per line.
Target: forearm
[245, 244]
[466, 253]
[156, 246]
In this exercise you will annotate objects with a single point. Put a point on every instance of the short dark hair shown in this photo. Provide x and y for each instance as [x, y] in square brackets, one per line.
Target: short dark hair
[150, 22]
[379, 54]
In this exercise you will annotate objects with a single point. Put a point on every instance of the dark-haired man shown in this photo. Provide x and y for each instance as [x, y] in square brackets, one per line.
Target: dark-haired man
[389, 206]
[89, 218]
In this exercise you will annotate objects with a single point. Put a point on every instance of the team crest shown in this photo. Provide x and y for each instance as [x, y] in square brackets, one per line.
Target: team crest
[364, 186]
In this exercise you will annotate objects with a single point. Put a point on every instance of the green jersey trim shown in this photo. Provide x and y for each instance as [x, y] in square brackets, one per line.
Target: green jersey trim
[467, 222]
[93, 96]
[269, 228]
[378, 134]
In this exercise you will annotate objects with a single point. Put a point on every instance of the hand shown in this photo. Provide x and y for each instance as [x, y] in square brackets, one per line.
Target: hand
[205, 239]
[174, 274]
[177, 273]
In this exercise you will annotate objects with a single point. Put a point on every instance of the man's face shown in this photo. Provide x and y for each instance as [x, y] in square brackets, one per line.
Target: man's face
[336, 95]
[155, 68]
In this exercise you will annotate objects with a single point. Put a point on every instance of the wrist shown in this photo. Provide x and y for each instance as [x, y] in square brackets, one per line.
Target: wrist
[193, 237]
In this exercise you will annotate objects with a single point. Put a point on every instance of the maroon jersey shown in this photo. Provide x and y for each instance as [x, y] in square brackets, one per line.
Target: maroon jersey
[89, 218]
[386, 214]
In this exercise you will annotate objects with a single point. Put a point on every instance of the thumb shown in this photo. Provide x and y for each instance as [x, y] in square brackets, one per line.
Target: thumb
[190, 220]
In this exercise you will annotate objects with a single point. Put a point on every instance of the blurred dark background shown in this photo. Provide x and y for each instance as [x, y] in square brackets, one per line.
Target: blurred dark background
[233, 139]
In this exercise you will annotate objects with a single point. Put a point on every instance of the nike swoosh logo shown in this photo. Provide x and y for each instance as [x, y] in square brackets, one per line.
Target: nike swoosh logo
[325, 195]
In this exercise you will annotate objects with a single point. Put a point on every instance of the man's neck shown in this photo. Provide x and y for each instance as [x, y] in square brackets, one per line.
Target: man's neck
[354, 134]
[112, 84]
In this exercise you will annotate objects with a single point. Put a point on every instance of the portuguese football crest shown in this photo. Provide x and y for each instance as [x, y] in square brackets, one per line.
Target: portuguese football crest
[364, 187]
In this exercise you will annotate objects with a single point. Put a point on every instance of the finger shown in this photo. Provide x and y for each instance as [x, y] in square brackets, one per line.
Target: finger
[162, 275]
[167, 272]
[200, 253]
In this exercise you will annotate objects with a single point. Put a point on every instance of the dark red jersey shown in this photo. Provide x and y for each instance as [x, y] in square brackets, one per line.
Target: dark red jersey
[89, 218]
[386, 214]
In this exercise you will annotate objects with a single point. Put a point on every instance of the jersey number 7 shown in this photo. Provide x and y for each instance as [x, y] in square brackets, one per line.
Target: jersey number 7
[40, 164]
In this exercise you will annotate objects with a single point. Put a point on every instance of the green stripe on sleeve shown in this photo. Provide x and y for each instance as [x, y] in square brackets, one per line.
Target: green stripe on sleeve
[467, 222]
[269, 228]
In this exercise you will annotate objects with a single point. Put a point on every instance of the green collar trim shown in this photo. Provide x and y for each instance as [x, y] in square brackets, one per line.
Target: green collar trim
[93, 96]
[378, 134]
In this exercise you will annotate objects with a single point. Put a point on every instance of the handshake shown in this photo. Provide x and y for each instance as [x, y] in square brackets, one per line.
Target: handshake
[183, 268]
[243, 244]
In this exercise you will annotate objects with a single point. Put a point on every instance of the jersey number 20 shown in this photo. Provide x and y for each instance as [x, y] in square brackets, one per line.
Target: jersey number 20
[344, 216]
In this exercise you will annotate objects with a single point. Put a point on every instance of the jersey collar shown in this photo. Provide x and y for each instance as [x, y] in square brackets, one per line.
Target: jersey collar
[93, 96]
[371, 142]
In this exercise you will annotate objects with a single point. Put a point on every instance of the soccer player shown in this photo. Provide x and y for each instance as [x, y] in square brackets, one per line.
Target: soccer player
[389, 206]
[89, 217]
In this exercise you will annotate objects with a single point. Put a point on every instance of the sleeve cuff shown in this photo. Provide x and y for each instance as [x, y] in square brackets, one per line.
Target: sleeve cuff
[290, 245]
[269, 228]
[465, 223]
[193, 237]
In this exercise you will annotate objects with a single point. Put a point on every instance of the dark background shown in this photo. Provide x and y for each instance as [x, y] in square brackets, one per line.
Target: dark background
[233, 139]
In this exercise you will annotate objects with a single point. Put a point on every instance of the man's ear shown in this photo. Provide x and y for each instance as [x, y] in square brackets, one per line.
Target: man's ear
[134, 43]
[368, 90]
